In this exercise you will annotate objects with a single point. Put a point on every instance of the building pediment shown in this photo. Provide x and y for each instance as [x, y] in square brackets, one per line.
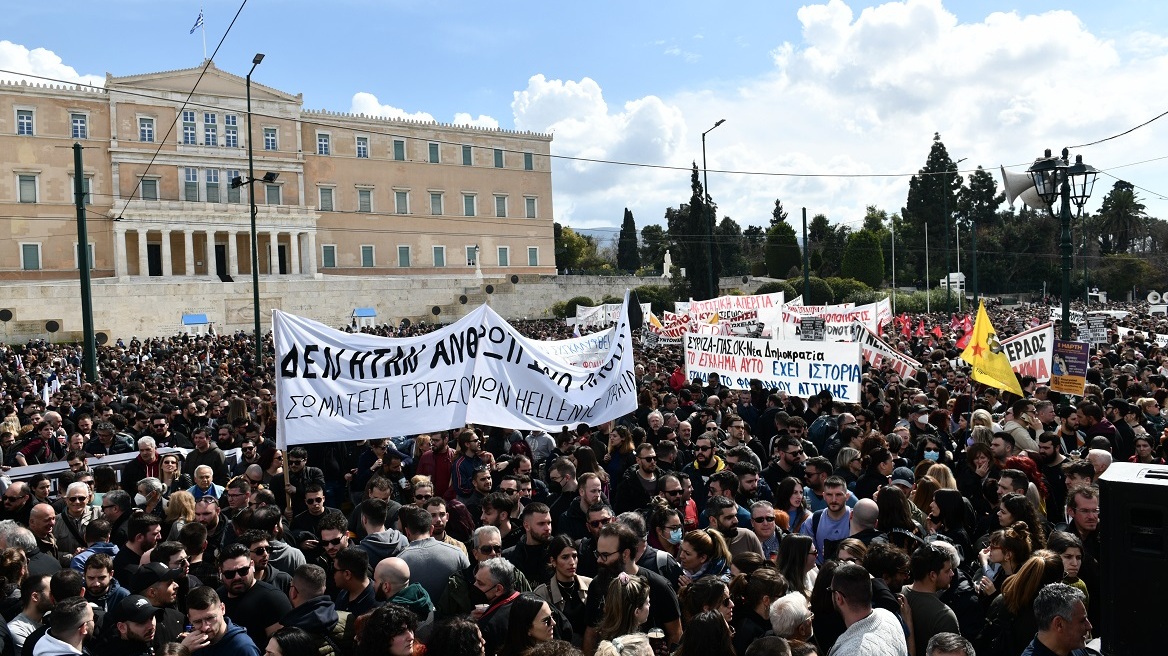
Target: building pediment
[215, 82]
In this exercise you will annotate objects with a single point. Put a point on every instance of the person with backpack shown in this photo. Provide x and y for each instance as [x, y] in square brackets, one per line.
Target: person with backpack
[832, 525]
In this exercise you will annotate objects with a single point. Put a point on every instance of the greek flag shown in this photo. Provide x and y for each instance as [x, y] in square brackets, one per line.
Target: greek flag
[198, 22]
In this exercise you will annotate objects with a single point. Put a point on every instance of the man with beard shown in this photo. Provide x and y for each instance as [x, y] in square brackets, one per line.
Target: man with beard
[599, 516]
[722, 516]
[261, 550]
[636, 489]
[671, 490]
[158, 585]
[392, 581]
[705, 464]
[616, 547]
[932, 572]
[530, 555]
[439, 517]
[433, 561]
[1123, 442]
[300, 476]
[254, 605]
[1050, 462]
[470, 460]
[574, 520]
[143, 531]
[481, 484]
[788, 460]
[437, 462]
[332, 537]
[134, 629]
[206, 453]
[355, 592]
[35, 602]
[1070, 437]
[1083, 510]
[101, 588]
[830, 526]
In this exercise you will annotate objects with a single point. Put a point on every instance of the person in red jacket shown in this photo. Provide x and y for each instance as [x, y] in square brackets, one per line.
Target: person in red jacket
[436, 463]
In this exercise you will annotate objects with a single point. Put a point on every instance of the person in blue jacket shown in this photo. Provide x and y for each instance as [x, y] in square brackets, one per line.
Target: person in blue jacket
[212, 632]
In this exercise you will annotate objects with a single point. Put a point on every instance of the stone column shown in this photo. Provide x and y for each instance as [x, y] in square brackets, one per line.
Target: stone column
[311, 260]
[209, 256]
[274, 252]
[189, 252]
[120, 263]
[167, 265]
[232, 257]
[294, 253]
[143, 260]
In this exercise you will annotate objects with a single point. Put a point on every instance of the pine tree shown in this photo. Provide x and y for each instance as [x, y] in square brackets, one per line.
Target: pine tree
[628, 255]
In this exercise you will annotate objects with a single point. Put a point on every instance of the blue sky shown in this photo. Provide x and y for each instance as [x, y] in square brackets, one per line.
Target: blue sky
[832, 87]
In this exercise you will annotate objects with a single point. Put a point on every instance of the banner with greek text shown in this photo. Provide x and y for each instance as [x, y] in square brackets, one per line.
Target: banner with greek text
[1030, 352]
[602, 315]
[1068, 370]
[741, 313]
[878, 353]
[333, 386]
[588, 351]
[798, 368]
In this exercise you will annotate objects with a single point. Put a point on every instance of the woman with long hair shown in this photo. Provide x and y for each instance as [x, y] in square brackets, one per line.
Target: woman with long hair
[878, 466]
[707, 633]
[851, 550]
[753, 594]
[290, 641]
[13, 569]
[943, 476]
[236, 411]
[797, 554]
[567, 591]
[933, 449]
[1017, 508]
[630, 644]
[1014, 608]
[179, 511]
[848, 465]
[665, 527]
[530, 623]
[923, 491]
[1007, 550]
[456, 637]
[620, 455]
[586, 462]
[707, 593]
[703, 553]
[272, 462]
[947, 518]
[626, 607]
[895, 519]
[387, 630]
[790, 499]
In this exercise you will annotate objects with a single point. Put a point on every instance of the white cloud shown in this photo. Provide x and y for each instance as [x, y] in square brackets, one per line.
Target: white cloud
[367, 103]
[863, 94]
[483, 121]
[40, 62]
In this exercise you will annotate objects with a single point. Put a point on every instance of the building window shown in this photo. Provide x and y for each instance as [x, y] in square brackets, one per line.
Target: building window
[529, 206]
[213, 185]
[328, 256]
[436, 203]
[532, 256]
[468, 204]
[231, 131]
[146, 130]
[367, 256]
[86, 197]
[210, 130]
[270, 139]
[467, 156]
[326, 199]
[472, 255]
[501, 206]
[77, 257]
[504, 256]
[364, 200]
[27, 188]
[24, 123]
[363, 147]
[528, 162]
[150, 189]
[272, 194]
[403, 256]
[322, 144]
[233, 194]
[189, 135]
[399, 150]
[401, 202]
[30, 257]
[498, 158]
[434, 153]
[80, 126]
[191, 185]
[439, 256]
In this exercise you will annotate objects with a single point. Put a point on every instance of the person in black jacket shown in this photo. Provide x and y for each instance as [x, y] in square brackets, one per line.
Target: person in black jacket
[639, 484]
[300, 476]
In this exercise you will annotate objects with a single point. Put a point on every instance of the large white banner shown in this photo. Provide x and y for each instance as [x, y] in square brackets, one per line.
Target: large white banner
[588, 351]
[878, 353]
[798, 368]
[741, 313]
[334, 386]
[602, 315]
[1030, 352]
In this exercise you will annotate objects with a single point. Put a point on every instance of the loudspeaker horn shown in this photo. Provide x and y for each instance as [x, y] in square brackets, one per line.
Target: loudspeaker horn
[1020, 185]
[1154, 297]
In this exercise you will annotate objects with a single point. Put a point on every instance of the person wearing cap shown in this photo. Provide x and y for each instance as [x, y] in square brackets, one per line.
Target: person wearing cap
[158, 584]
[129, 629]
[904, 478]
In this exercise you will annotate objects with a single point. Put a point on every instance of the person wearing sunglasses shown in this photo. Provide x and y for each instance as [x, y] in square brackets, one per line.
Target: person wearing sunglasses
[300, 476]
[69, 530]
[634, 490]
[261, 553]
[531, 623]
[315, 500]
[252, 604]
[706, 462]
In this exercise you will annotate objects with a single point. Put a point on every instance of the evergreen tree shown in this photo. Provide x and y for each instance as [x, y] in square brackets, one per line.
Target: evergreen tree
[778, 215]
[863, 259]
[730, 247]
[702, 260]
[930, 192]
[628, 257]
[654, 242]
[782, 250]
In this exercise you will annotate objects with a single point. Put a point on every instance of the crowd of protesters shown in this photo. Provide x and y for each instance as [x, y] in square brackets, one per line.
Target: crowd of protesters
[934, 517]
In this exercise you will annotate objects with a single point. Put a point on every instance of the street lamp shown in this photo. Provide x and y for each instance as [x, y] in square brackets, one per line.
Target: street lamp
[948, 266]
[255, 257]
[710, 218]
[1054, 177]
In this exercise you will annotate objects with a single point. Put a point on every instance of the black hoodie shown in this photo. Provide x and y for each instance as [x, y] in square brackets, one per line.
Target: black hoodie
[317, 616]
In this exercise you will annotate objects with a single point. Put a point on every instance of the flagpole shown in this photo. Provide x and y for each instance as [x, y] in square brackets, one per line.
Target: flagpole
[893, 267]
[204, 27]
[928, 296]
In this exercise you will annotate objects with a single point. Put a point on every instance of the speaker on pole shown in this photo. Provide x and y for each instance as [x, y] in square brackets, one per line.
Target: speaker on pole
[1133, 524]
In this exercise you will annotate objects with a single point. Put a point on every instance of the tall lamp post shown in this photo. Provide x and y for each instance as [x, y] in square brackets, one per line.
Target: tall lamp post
[710, 217]
[255, 257]
[1054, 177]
[948, 265]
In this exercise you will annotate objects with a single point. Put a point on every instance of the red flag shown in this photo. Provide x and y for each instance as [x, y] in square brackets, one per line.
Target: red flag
[967, 323]
[905, 330]
[964, 341]
[937, 332]
[903, 320]
[921, 329]
[953, 322]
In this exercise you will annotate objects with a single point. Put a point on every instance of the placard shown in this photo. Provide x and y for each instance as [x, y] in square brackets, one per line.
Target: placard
[798, 368]
[812, 329]
[878, 353]
[1069, 367]
[1096, 330]
[1030, 352]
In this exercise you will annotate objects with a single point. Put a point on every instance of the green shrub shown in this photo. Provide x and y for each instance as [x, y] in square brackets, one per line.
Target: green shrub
[821, 293]
[841, 288]
[559, 310]
[609, 299]
[659, 297]
[864, 297]
[571, 303]
[777, 286]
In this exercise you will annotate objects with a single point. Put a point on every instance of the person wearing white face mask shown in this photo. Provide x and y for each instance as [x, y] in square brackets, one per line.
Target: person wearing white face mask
[665, 527]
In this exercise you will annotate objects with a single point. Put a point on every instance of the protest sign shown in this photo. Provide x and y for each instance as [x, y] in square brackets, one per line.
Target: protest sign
[798, 368]
[1096, 330]
[741, 313]
[812, 329]
[333, 386]
[603, 315]
[1069, 367]
[1030, 352]
[587, 351]
[878, 353]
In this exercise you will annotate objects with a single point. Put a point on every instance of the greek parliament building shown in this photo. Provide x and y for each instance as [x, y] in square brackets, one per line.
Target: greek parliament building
[337, 194]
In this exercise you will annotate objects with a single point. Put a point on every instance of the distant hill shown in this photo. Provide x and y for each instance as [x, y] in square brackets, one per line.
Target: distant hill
[602, 235]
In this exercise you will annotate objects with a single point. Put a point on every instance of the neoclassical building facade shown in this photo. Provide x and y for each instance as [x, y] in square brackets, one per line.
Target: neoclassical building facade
[336, 194]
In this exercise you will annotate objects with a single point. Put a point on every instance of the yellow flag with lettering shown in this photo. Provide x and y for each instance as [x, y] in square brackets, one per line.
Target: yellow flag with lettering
[990, 364]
